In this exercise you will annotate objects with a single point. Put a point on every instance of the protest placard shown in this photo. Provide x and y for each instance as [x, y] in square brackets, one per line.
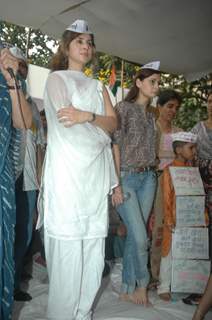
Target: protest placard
[186, 181]
[189, 275]
[190, 243]
[190, 211]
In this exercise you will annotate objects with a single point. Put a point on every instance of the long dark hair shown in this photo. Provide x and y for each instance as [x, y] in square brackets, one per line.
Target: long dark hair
[142, 74]
[60, 59]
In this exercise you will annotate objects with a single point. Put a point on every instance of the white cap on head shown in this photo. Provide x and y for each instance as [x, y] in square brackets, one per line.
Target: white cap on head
[154, 65]
[80, 26]
[184, 137]
[16, 52]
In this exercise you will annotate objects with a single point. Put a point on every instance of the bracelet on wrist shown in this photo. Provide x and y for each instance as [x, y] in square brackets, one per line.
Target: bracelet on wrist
[14, 87]
[93, 117]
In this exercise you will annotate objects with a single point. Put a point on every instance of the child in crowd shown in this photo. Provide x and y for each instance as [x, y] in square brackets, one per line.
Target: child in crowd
[184, 147]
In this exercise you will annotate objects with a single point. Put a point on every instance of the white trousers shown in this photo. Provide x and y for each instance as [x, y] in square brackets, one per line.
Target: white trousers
[75, 273]
[165, 274]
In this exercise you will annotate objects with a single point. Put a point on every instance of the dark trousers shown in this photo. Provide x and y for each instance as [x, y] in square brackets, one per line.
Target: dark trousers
[25, 205]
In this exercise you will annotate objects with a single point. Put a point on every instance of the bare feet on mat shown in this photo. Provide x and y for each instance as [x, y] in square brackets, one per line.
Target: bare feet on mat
[166, 296]
[140, 297]
[125, 297]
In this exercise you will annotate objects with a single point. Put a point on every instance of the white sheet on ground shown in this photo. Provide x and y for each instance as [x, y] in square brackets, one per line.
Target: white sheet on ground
[108, 306]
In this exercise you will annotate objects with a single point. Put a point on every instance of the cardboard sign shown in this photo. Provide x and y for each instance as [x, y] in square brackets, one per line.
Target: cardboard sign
[190, 243]
[186, 181]
[190, 211]
[189, 275]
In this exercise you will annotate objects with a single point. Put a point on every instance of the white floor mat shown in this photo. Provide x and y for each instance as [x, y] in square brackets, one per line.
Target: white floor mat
[107, 304]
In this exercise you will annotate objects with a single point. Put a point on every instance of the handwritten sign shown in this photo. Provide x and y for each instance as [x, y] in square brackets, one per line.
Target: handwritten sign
[190, 243]
[186, 181]
[189, 275]
[190, 211]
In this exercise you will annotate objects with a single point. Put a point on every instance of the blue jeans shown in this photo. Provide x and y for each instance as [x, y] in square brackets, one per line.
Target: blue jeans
[139, 191]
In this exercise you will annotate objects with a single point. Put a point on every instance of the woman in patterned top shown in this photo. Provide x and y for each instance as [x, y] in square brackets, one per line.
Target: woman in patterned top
[136, 160]
[9, 116]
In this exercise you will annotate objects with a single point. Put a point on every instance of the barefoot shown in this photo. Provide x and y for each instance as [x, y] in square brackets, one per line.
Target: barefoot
[125, 297]
[166, 296]
[140, 296]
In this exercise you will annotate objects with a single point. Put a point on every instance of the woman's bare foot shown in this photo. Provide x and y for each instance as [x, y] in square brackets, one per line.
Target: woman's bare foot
[140, 296]
[166, 296]
[125, 297]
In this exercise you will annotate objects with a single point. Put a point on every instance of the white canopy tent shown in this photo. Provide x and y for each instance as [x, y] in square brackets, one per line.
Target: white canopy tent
[176, 32]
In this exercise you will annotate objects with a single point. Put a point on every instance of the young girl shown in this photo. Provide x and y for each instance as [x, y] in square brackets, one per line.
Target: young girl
[78, 176]
[135, 158]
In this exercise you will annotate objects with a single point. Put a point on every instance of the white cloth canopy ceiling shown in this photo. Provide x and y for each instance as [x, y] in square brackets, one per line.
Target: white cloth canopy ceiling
[176, 32]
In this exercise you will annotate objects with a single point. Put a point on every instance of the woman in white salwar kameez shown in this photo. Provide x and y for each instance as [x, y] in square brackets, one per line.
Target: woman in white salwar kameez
[78, 176]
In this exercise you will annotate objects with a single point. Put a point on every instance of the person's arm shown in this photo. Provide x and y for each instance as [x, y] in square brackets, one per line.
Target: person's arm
[117, 196]
[40, 153]
[205, 302]
[167, 189]
[22, 118]
[108, 122]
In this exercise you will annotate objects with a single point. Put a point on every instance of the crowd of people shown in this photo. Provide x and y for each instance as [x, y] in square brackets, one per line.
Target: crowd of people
[92, 152]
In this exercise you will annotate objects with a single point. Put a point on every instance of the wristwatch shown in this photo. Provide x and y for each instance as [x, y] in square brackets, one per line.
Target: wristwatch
[93, 117]
[15, 86]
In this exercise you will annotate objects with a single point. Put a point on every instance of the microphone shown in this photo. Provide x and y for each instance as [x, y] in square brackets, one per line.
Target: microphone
[10, 70]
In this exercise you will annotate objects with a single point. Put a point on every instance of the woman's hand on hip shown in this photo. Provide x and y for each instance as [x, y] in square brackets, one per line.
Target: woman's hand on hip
[70, 116]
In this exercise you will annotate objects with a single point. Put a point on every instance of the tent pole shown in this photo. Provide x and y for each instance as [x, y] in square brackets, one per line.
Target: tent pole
[28, 42]
[122, 79]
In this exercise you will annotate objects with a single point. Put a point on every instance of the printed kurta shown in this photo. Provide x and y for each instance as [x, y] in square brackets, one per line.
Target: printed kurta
[137, 128]
[7, 205]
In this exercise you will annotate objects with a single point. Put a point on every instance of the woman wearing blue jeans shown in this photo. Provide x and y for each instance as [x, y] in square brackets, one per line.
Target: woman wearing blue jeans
[135, 156]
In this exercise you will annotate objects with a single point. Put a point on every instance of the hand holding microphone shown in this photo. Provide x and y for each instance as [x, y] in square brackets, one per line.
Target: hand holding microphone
[8, 65]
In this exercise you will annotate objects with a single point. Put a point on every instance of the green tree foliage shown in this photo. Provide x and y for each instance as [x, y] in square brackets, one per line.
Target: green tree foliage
[39, 48]
[193, 108]
[194, 94]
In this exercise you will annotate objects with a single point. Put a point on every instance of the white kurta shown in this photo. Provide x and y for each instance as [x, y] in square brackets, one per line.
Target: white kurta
[79, 171]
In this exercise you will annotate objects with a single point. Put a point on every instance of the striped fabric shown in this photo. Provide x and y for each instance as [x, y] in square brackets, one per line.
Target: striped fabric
[17, 148]
[7, 205]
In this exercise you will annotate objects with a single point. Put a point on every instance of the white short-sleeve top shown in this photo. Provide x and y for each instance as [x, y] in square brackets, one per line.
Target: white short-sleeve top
[79, 170]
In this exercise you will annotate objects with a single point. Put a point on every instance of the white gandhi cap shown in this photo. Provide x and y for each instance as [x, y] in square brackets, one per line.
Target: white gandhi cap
[16, 52]
[154, 65]
[80, 26]
[184, 137]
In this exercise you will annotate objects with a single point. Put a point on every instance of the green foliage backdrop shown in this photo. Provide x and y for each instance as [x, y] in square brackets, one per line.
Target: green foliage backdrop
[39, 49]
